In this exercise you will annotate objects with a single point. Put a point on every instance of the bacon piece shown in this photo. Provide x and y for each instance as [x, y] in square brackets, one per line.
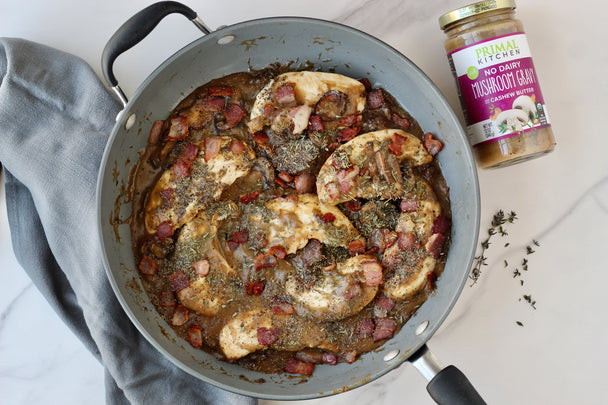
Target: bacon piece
[277, 251]
[263, 261]
[223, 91]
[365, 329]
[327, 217]
[147, 265]
[310, 254]
[396, 145]
[390, 238]
[260, 137]
[352, 291]
[179, 280]
[232, 245]
[329, 358]
[382, 306]
[268, 110]
[351, 120]
[366, 83]
[375, 99]
[385, 329]
[233, 114]
[309, 356]
[349, 357]
[332, 190]
[180, 315]
[407, 241]
[240, 236]
[442, 224]
[190, 151]
[214, 103]
[156, 132]
[356, 247]
[255, 287]
[431, 278]
[346, 134]
[372, 272]
[181, 168]
[435, 244]
[353, 205]
[282, 308]
[295, 366]
[305, 183]
[410, 204]
[434, 146]
[286, 177]
[212, 148]
[285, 94]
[178, 129]
[201, 267]
[237, 147]
[267, 336]
[164, 230]
[249, 198]
[280, 182]
[195, 336]
[167, 299]
[315, 123]
[401, 122]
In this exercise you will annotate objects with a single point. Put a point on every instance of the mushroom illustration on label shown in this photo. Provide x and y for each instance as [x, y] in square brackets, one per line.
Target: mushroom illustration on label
[521, 115]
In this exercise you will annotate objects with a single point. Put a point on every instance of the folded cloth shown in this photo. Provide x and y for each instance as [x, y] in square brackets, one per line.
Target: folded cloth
[55, 119]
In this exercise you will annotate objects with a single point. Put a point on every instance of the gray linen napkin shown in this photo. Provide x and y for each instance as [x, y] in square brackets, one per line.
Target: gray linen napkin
[55, 119]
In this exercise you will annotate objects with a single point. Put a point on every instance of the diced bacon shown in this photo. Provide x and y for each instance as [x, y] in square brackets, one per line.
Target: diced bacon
[401, 122]
[329, 358]
[352, 291]
[240, 236]
[212, 147]
[179, 280]
[178, 129]
[280, 182]
[385, 329]
[277, 251]
[384, 302]
[344, 186]
[156, 132]
[332, 190]
[181, 168]
[285, 94]
[356, 247]
[263, 261]
[366, 83]
[435, 244]
[431, 278]
[214, 103]
[407, 241]
[180, 315]
[327, 217]
[396, 145]
[305, 183]
[365, 329]
[232, 246]
[260, 137]
[390, 238]
[255, 287]
[249, 198]
[315, 123]
[190, 151]
[432, 145]
[233, 114]
[237, 147]
[309, 356]
[351, 120]
[267, 336]
[295, 366]
[410, 204]
[201, 267]
[164, 230]
[286, 177]
[375, 99]
[372, 272]
[442, 224]
[195, 336]
[349, 357]
[353, 205]
[282, 308]
[222, 91]
[268, 110]
[372, 250]
[346, 134]
[259, 240]
[167, 299]
[147, 265]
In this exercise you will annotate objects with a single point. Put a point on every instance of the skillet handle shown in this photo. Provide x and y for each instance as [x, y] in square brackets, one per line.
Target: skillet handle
[447, 386]
[136, 29]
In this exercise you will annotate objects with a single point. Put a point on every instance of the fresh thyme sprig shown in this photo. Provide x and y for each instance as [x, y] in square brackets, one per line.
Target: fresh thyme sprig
[497, 227]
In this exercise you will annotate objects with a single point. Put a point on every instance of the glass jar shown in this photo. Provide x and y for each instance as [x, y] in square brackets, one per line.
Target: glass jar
[504, 108]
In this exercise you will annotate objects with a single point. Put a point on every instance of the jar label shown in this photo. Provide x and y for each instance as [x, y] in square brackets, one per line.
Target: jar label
[499, 88]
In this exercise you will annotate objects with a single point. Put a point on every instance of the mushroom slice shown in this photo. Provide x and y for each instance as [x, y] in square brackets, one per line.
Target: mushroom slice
[339, 292]
[370, 166]
[525, 104]
[512, 120]
[341, 96]
[189, 184]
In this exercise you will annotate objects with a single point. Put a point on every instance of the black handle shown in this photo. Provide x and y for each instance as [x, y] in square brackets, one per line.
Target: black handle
[451, 386]
[137, 28]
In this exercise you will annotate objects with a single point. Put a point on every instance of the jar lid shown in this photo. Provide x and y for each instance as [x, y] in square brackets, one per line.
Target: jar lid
[474, 9]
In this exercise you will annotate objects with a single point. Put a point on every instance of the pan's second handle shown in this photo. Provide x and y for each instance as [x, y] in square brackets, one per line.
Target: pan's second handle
[136, 29]
[447, 386]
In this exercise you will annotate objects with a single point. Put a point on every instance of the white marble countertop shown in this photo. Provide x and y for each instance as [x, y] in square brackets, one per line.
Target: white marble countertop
[561, 200]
